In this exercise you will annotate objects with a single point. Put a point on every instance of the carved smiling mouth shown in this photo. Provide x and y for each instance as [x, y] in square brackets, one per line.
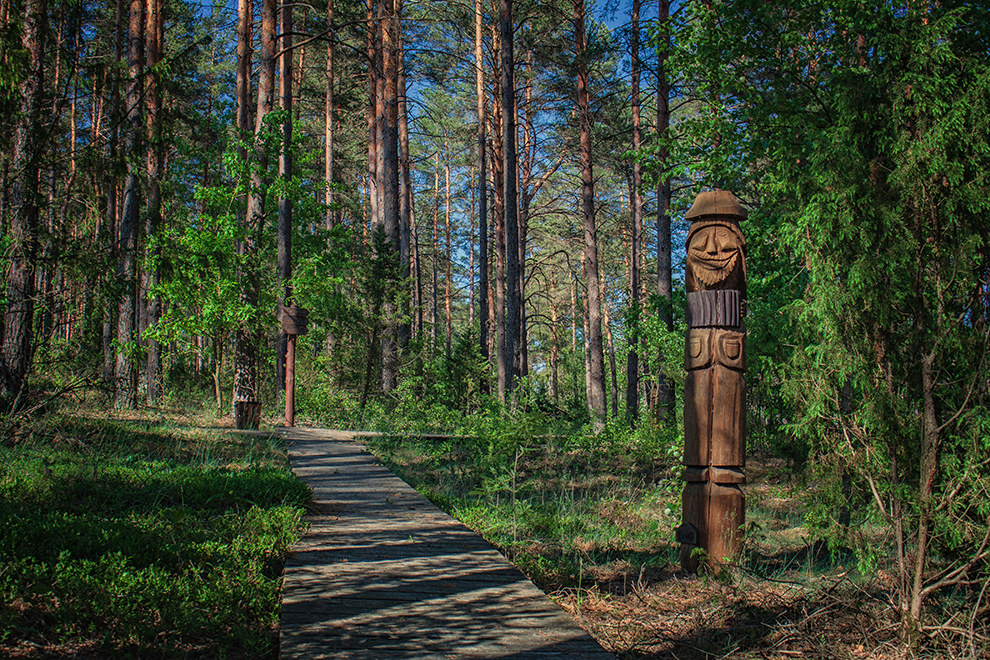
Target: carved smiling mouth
[715, 263]
[711, 270]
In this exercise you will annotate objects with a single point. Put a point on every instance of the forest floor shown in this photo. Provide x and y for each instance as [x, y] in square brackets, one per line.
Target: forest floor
[594, 529]
[590, 520]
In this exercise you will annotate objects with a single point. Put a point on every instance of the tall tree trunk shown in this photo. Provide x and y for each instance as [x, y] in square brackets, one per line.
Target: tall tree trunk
[527, 190]
[483, 286]
[284, 239]
[415, 264]
[510, 202]
[596, 359]
[330, 109]
[390, 188]
[248, 336]
[125, 396]
[607, 324]
[434, 257]
[154, 38]
[244, 19]
[473, 212]
[113, 212]
[665, 389]
[372, 110]
[636, 200]
[28, 149]
[406, 208]
[554, 343]
[497, 302]
[448, 258]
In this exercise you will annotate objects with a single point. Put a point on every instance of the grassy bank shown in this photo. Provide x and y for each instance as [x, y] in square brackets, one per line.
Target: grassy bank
[142, 538]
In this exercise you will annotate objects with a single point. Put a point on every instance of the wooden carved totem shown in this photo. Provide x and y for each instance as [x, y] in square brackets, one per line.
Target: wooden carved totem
[713, 506]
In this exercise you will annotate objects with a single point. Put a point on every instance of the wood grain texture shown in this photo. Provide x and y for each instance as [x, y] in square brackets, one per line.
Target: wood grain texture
[383, 573]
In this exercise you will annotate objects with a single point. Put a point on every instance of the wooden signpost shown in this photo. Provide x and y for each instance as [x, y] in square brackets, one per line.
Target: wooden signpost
[294, 322]
[713, 506]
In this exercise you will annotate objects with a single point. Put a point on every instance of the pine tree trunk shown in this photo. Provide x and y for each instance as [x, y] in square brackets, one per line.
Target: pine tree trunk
[406, 209]
[527, 191]
[636, 199]
[611, 362]
[483, 260]
[510, 201]
[434, 257]
[497, 302]
[28, 149]
[329, 110]
[448, 257]
[665, 389]
[125, 395]
[554, 345]
[112, 223]
[596, 360]
[390, 187]
[248, 336]
[372, 113]
[284, 238]
[155, 46]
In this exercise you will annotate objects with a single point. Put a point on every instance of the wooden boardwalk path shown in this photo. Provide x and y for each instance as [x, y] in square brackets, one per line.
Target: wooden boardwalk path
[383, 574]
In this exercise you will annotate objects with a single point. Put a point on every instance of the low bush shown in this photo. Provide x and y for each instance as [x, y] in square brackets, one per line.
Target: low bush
[135, 539]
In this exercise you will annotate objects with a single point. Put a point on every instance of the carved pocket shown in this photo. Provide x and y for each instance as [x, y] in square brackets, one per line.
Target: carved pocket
[697, 348]
[731, 349]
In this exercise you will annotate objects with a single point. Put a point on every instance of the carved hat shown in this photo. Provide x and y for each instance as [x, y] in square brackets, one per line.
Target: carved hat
[716, 202]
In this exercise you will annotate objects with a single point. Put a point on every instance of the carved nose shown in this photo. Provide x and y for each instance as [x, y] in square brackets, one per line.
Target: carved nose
[711, 245]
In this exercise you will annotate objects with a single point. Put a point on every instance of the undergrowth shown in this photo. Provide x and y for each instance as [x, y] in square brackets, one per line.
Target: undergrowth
[590, 519]
[140, 538]
[553, 501]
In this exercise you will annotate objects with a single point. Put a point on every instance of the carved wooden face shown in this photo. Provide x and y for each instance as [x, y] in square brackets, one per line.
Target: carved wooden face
[713, 253]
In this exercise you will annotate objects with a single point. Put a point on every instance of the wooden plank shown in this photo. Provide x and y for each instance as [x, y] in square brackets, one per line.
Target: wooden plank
[382, 573]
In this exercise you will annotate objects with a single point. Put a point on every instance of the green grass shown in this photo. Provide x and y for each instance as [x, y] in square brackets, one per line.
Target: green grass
[137, 539]
[557, 506]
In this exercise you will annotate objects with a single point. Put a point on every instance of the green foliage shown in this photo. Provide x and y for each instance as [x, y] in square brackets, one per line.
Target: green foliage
[860, 134]
[144, 541]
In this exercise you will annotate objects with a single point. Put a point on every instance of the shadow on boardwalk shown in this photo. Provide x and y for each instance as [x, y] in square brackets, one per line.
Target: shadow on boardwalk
[383, 573]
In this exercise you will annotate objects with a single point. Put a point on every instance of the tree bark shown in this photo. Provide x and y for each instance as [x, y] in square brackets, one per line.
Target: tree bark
[390, 187]
[248, 336]
[284, 238]
[448, 258]
[497, 302]
[28, 149]
[372, 111]
[112, 224]
[406, 208]
[607, 324]
[125, 394]
[330, 108]
[434, 256]
[154, 38]
[665, 390]
[483, 260]
[636, 200]
[513, 295]
[596, 359]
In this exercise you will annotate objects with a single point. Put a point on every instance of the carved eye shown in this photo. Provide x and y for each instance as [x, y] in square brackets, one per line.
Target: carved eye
[732, 348]
[726, 240]
[694, 346]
